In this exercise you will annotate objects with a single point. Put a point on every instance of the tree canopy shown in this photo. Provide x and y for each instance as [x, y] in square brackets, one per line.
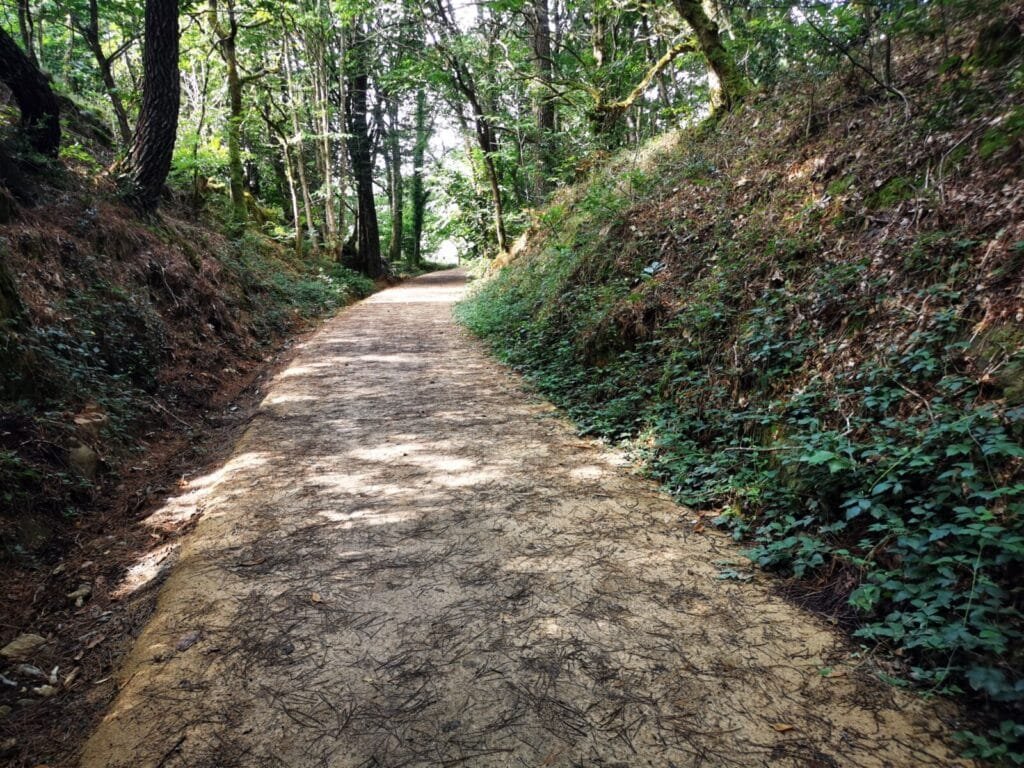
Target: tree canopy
[355, 128]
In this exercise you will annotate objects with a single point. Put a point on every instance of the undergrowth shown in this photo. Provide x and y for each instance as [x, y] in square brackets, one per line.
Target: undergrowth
[113, 346]
[844, 396]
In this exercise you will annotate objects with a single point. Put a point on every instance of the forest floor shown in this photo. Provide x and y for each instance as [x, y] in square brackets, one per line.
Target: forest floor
[411, 560]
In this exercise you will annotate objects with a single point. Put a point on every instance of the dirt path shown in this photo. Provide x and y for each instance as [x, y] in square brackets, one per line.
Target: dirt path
[409, 562]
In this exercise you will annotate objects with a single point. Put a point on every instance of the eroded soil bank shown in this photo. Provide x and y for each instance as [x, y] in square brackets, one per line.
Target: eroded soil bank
[408, 561]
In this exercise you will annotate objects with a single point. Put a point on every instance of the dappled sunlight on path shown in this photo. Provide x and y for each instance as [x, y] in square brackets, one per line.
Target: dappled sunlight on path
[410, 562]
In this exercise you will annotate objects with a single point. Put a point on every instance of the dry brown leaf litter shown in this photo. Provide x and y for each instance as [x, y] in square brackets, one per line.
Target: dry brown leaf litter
[407, 562]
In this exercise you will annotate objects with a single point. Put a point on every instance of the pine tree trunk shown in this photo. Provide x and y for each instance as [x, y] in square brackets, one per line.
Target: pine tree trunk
[368, 259]
[153, 144]
[40, 110]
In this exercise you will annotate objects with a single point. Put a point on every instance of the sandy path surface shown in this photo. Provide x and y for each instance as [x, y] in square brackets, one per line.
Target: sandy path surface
[410, 562]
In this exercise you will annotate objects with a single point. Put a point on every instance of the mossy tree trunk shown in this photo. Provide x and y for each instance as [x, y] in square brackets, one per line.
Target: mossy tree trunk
[728, 85]
[227, 44]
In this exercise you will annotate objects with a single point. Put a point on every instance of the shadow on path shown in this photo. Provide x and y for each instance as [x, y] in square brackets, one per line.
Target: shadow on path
[410, 562]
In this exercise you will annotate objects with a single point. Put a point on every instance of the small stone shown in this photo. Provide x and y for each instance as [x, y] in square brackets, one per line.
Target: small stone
[188, 640]
[160, 652]
[81, 594]
[29, 670]
[46, 691]
[21, 646]
[5, 710]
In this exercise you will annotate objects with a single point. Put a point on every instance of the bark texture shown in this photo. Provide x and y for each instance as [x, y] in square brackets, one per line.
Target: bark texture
[543, 102]
[153, 144]
[367, 258]
[40, 110]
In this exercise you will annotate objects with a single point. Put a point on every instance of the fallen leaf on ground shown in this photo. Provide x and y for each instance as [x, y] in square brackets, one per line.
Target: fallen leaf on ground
[783, 727]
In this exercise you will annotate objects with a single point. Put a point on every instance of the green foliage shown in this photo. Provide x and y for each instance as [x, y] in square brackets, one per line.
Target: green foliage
[830, 412]
[914, 491]
[998, 744]
[108, 344]
[283, 291]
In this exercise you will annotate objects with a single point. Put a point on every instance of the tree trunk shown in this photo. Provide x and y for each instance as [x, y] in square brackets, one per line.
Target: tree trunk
[227, 43]
[418, 194]
[293, 196]
[463, 81]
[368, 259]
[499, 214]
[728, 86]
[278, 131]
[341, 100]
[543, 102]
[200, 124]
[153, 143]
[394, 158]
[40, 110]
[298, 139]
[25, 27]
[606, 116]
[90, 32]
[316, 39]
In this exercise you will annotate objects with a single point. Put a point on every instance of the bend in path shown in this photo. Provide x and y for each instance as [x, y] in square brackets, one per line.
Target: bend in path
[410, 562]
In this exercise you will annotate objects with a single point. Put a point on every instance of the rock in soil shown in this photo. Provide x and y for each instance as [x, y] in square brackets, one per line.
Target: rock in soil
[22, 646]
